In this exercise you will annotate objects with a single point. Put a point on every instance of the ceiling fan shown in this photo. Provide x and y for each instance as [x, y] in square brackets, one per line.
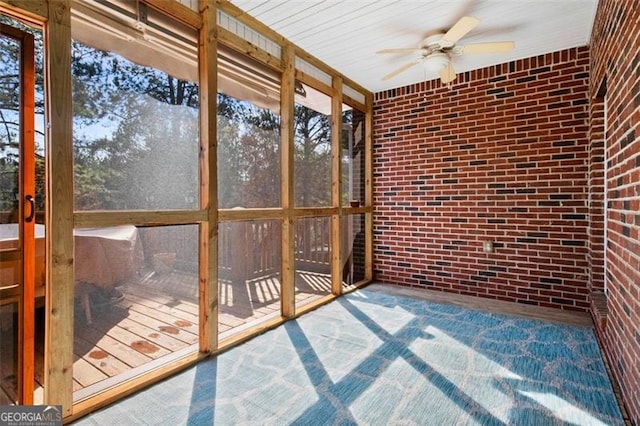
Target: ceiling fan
[436, 51]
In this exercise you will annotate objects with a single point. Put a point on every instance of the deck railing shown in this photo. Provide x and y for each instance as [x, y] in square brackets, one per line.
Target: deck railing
[246, 250]
[313, 244]
[249, 250]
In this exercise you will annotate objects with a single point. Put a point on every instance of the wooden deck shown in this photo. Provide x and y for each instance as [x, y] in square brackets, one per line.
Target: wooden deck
[155, 320]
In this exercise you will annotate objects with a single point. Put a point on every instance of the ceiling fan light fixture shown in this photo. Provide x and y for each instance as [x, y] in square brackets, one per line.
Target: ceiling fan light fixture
[436, 61]
[436, 51]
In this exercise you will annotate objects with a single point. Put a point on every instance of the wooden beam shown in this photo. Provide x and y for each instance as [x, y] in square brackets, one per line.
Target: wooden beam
[178, 11]
[237, 338]
[239, 14]
[336, 186]
[368, 188]
[208, 259]
[261, 28]
[251, 22]
[314, 82]
[242, 336]
[96, 219]
[315, 211]
[58, 360]
[322, 300]
[33, 11]
[236, 42]
[303, 54]
[286, 182]
[353, 103]
[230, 215]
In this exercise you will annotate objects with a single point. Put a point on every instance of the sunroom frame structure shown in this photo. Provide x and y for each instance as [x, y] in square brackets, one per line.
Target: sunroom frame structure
[54, 17]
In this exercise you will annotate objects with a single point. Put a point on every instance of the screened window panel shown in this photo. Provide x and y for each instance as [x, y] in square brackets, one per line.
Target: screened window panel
[248, 133]
[249, 264]
[136, 301]
[136, 135]
[312, 148]
[352, 249]
[312, 259]
[353, 156]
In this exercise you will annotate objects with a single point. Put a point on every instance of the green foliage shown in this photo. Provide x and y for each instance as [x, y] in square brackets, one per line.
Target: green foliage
[312, 137]
[136, 135]
[10, 112]
[136, 140]
[248, 155]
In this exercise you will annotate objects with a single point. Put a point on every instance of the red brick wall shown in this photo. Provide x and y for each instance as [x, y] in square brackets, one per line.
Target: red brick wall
[595, 254]
[501, 156]
[615, 62]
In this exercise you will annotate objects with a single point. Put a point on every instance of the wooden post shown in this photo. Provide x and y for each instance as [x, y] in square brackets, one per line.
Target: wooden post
[336, 186]
[58, 360]
[208, 258]
[286, 181]
[368, 189]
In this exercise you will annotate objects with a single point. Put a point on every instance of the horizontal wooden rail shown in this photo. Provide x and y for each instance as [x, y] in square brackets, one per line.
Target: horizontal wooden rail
[229, 215]
[138, 218]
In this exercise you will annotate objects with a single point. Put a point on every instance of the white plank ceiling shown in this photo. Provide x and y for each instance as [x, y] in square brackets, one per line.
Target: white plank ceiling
[345, 34]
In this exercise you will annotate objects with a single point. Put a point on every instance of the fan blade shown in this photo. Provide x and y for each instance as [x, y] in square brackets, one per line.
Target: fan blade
[447, 74]
[495, 47]
[459, 30]
[401, 50]
[401, 69]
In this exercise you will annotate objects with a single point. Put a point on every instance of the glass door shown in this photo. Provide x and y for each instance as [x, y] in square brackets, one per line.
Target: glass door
[17, 217]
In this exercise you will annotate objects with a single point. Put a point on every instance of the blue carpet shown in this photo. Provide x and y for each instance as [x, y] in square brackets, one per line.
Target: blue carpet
[370, 358]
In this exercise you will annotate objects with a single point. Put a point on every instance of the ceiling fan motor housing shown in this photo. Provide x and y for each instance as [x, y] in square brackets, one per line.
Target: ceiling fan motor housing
[433, 42]
[436, 61]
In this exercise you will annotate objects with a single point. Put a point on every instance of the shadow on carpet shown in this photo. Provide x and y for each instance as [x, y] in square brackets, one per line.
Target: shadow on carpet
[372, 358]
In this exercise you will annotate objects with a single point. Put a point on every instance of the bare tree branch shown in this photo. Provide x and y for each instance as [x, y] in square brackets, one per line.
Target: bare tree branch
[6, 126]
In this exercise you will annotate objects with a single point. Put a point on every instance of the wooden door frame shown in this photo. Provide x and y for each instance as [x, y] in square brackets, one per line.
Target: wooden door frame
[26, 310]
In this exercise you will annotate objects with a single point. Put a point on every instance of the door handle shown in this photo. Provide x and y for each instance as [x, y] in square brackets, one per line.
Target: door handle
[32, 205]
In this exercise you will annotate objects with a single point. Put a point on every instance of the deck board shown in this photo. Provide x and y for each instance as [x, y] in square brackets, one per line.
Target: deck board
[141, 339]
[157, 317]
[164, 323]
[97, 346]
[104, 361]
[164, 305]
[85, 373]
[140, 333]
[129, 328]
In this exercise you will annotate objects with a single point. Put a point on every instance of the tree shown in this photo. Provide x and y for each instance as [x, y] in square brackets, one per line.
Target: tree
[248, 155]
[136, 141]
[312, 136]
[146, 156]
[9, 118]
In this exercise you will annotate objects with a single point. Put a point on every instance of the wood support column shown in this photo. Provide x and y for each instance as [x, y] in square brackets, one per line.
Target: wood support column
[368, 188]
[286, 182]
[208, 262]
[58, 360]
[336, 185]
